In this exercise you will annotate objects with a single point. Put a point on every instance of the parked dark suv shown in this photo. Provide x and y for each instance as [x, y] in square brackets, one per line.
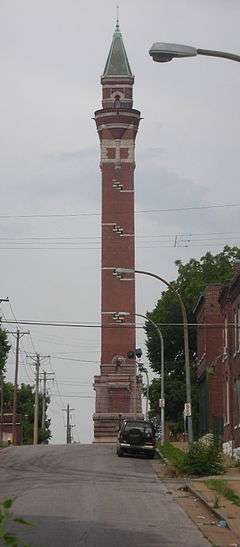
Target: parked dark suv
[136, 437]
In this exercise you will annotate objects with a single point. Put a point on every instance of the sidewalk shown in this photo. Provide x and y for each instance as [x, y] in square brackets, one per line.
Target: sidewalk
[206, 507]
[228, 510]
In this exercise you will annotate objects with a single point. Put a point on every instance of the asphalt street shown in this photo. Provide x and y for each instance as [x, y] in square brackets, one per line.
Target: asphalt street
[85, 495]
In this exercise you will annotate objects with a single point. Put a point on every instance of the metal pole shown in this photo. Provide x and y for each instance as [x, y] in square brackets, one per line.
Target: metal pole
[222, 54]
[35, 427]
[15, 389]
[142, 368]
[44, 400]
[1, 386]
[135, 392]
[147, 401]
[14, 414]
[68, 426]
[186, 346]
[45, 378]
[162, 371]
[1, 408]
[184, 423]
[162, 392]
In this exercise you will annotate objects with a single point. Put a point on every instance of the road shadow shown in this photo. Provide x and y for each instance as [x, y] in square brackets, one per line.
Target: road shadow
[62, 532]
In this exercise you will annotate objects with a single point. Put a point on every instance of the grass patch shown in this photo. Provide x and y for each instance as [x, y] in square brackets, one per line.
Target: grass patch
[3, 445]
[221, 487]
[174, 455]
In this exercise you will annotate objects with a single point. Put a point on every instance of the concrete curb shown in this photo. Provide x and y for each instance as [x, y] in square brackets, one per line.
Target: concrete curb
[216, 513]
[162, 456]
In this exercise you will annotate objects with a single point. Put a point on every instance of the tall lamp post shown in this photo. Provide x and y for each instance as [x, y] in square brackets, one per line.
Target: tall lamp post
[144, 369]
[118, 315]
[162, 373]
[119, 272]
[162, 52]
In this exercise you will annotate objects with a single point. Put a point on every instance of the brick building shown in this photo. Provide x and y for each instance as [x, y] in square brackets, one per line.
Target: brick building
[117, 387]
[230, 306]
[218, 349]
[6, 433]
[209, 351]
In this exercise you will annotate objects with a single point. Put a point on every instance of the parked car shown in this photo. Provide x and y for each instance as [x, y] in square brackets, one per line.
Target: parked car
[136, 437]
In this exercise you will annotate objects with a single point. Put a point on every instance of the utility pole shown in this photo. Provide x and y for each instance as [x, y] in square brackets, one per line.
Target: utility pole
[1, 407]
[14, 414]
[1, 386]
[45, 379]
[35, 427]
[69, 426]
[44, 399]
[37, 363]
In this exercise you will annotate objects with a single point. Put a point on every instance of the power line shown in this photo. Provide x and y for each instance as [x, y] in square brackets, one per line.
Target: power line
[94, 239]
[141, 211]
[71, 359]
[139, 247]
[110, 326]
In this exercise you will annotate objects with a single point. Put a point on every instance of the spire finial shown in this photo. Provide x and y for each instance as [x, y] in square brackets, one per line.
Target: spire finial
[117, 22]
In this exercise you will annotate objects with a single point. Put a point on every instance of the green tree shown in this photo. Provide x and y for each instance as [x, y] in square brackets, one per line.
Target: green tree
[191, 280]
[4, 349]
[25, 407]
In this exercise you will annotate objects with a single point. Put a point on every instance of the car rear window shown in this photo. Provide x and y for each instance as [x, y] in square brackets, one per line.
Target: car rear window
[143, 426]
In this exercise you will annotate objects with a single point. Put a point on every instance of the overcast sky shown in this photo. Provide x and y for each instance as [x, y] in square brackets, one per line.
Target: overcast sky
[52, 55]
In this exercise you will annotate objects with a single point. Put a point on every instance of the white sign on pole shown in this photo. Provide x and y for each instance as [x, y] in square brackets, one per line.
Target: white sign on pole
[161, 403]
[187, 409]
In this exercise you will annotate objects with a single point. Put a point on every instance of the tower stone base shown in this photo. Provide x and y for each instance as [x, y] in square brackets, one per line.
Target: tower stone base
[116, 393]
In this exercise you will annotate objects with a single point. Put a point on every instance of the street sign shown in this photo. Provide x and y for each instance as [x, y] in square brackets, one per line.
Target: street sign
[161, 403]
[187, 409]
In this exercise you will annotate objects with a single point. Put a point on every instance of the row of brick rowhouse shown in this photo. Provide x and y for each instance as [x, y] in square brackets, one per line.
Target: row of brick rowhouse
[218, 347]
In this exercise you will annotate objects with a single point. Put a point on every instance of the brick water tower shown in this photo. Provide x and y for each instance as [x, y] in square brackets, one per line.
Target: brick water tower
[118, 389]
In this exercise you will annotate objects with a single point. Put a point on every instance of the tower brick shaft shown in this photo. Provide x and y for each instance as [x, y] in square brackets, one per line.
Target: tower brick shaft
[117, 387]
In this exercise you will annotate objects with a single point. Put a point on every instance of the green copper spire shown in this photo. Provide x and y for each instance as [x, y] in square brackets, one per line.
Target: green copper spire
[117, 62]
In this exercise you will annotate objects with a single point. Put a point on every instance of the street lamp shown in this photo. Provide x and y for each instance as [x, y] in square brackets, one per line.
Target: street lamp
[119, 272]
[162, 52]
[162, 373]
[142, 368]
[119, 316]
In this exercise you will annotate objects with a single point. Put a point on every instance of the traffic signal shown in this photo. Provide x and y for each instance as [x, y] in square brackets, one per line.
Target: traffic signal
[134, 353]
[131, 354]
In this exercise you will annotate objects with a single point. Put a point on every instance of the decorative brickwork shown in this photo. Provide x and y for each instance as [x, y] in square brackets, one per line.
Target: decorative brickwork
[117, 387]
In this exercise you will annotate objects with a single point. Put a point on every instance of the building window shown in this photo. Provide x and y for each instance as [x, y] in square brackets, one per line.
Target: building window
[227, 407]
[237, 401]
[238, 329]
[225, 335]
[235, 332]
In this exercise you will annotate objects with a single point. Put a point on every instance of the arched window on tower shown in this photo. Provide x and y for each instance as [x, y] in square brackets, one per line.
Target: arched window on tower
[117, 102]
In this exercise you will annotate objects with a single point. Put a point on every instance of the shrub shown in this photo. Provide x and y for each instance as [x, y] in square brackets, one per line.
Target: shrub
[204, 459]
